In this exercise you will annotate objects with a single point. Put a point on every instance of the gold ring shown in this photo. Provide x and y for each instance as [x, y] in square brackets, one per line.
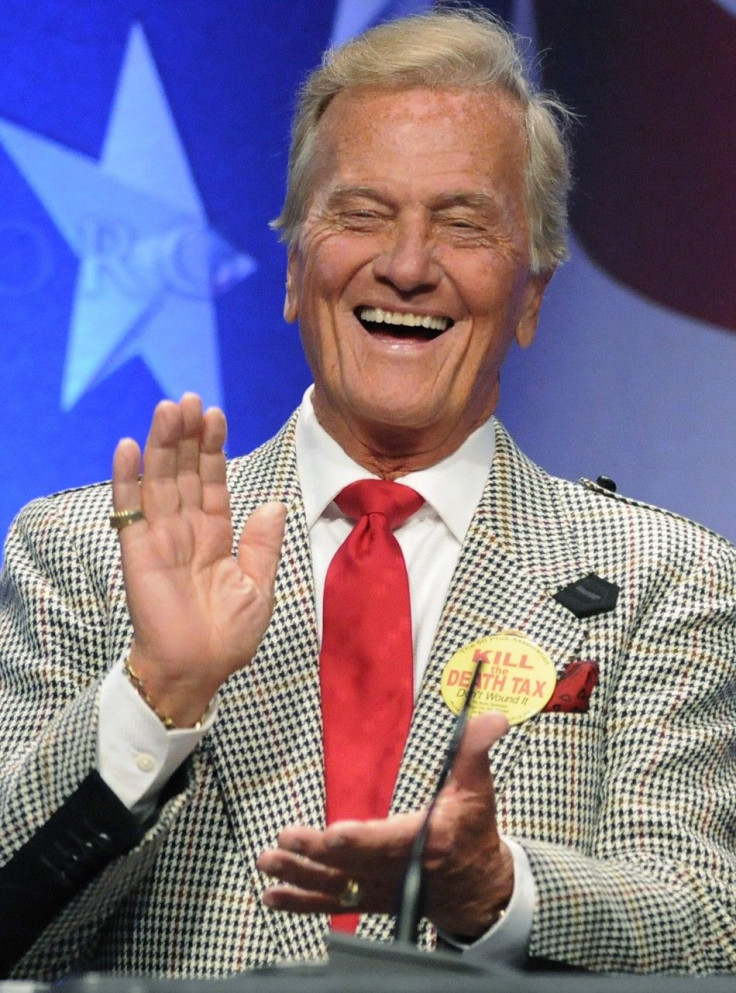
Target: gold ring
[352, 895]
[122, 518]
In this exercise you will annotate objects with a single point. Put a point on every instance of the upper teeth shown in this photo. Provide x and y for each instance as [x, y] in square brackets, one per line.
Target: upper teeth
[378, 316]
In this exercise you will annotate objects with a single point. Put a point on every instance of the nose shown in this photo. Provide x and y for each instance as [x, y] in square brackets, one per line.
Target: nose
[407, 260]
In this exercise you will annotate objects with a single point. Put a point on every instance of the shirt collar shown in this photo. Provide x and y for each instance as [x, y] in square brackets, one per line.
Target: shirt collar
[452, 487]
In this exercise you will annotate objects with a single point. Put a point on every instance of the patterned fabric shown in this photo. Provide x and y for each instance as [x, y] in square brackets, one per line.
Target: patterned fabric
[627, 811]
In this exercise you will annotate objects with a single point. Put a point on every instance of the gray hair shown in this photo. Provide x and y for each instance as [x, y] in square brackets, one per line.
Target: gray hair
[446, 49]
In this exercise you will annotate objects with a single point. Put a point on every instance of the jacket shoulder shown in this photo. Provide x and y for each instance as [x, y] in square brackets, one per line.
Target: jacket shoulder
[632, 509]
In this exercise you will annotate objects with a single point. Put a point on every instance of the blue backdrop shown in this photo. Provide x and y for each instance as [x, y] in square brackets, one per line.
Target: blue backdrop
[143, 152]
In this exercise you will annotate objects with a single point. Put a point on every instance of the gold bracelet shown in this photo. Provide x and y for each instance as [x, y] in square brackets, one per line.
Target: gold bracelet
[137, 682]
[167, 722]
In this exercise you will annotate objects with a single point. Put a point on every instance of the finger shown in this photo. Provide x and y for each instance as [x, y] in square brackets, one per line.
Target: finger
[126, 494]
[159, 489]
[298, 838]
[301, 901]
[212, 466]
[260, 544]
[188, 452]
[471, 769]
[302, 872]
[355, 846]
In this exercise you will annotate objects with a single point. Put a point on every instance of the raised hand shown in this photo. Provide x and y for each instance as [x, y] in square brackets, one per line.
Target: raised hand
[198, 613]
[469, 870]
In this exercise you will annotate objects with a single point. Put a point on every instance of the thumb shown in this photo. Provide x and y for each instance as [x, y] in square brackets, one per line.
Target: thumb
[470, 769]
[259, 547]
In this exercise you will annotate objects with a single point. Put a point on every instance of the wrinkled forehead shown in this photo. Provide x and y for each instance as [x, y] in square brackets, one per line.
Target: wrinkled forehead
[472, 139]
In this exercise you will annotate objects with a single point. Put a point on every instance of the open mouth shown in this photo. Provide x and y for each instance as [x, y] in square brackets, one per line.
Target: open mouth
[394, 324]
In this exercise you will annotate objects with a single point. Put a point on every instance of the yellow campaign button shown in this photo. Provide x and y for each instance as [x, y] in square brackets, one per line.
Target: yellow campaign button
[516, 677]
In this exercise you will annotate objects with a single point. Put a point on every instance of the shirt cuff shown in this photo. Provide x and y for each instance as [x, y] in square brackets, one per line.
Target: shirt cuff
[507, 941]
[136, 754]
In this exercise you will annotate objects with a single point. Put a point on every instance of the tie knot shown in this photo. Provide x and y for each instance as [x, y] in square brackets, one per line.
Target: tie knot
[394, 501]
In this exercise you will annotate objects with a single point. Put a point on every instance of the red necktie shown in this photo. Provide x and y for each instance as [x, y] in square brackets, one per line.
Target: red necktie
[366, 660]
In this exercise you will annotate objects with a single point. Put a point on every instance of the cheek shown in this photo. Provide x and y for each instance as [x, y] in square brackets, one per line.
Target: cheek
[318, 285]
[332, 259]
[493, 319]
[493, 295]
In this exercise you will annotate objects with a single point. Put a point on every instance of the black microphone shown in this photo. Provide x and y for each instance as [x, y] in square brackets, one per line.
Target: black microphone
[411, 901]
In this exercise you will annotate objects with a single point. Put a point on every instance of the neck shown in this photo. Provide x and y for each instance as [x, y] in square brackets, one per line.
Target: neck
[390, 452]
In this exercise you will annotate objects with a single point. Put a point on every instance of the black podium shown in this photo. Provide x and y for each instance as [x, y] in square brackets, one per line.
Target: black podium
[356, 966]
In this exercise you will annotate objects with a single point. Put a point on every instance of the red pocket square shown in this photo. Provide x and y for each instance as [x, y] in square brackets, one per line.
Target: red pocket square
[574, 688]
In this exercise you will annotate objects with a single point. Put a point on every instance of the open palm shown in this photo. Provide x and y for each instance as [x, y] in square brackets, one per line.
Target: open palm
[198, 613]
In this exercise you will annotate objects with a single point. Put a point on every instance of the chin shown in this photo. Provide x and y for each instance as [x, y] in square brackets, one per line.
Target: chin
[398, 414]
[402, 430]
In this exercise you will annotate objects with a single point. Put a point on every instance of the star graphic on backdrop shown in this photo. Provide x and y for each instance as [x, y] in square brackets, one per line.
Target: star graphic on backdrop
[150, 265]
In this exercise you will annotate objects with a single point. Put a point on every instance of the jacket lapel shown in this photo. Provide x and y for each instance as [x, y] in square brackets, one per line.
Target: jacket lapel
[519, 550]
[267, 741]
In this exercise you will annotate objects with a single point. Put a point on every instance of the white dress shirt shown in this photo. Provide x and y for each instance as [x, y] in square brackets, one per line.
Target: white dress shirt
[136, 754]
[430, 539]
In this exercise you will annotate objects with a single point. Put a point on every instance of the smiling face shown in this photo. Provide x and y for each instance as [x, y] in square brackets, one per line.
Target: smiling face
[410, 277]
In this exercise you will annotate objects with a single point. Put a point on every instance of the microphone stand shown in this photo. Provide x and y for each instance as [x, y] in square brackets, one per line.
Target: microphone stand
[401, 963]
[411, 902]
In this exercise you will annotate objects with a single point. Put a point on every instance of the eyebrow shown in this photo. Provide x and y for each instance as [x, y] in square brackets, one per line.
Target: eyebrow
[477, 200]
[344, 192]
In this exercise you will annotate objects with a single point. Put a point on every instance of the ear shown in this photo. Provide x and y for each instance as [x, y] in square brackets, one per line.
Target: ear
[532, 301]
[291, 310]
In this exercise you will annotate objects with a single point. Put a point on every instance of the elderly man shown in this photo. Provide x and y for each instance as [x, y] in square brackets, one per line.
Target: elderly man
[205, 754]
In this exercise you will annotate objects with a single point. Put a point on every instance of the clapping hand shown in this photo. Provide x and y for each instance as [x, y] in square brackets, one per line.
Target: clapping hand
[468, 868]
[198, 612]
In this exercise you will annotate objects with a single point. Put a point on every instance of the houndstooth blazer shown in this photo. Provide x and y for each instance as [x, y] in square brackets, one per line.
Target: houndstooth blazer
[627, 812]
